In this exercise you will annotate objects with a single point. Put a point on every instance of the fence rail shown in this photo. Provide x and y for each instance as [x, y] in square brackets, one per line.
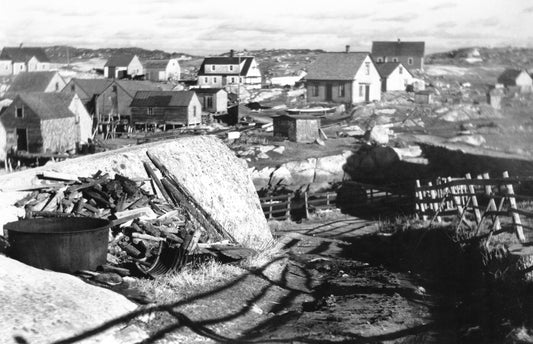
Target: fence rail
[481, 199]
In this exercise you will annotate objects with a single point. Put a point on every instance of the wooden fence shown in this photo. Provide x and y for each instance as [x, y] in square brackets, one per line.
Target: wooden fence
[478, 200]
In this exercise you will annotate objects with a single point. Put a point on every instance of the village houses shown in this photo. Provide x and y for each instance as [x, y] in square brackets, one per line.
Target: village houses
[162, 70]
[123, 66]
[394, 76]
[166, 109]
[230, 73]
[15, 60]
[410, 54]
[45, 123]
[345, 77]
[47, 81]
[516, 79]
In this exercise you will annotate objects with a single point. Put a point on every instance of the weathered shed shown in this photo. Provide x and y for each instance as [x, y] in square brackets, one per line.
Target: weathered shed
[162, 70]
[213, 100]
[166, 107]
[495, 96]
[423, 97]
[297, 128]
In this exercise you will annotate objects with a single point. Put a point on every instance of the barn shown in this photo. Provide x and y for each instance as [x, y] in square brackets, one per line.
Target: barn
[298, 128]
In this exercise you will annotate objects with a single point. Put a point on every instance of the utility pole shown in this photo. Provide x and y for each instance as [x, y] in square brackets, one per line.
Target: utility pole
[68, 58]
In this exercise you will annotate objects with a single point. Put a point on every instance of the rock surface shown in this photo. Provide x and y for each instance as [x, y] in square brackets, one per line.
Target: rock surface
[43, 306]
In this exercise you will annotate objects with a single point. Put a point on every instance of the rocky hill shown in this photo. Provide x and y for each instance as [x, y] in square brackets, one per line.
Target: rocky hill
[58, 53]
[506, 56]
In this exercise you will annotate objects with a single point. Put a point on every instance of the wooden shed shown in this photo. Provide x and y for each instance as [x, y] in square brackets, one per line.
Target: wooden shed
[423, 97]
[213, 100]
[297, 128]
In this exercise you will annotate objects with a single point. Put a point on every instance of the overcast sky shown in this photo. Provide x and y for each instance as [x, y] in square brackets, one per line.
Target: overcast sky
[214, 26]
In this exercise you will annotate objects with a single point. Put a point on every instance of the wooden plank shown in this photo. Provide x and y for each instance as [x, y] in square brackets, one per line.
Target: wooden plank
[274, 198]
[269, 204]
[515, 216]
[475, 205]
[155, 180]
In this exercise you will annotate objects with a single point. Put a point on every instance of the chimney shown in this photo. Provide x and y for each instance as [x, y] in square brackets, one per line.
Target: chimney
[231, 53]
[398, 40]
[347, 48]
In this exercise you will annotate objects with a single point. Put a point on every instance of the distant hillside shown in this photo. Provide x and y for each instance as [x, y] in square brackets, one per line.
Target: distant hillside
[507, 56]
[58, 54]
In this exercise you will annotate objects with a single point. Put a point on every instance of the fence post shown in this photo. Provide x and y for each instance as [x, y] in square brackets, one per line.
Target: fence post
[327, 199]
[517, 223]
[420, 204]
[270, 208]
[306, 204]
[473, 197]
[288, 213]
[492, 203]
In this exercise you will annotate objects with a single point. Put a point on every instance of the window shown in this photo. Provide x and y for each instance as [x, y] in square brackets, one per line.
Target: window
[215, 80]
[208, 102]
[77, 118]
[206, 79]
[367, 68]
[410, 61]
[149, 111]
[231, 67]
[194, 111]
[213, 67]
[400, 70]
[314, 89]
[341, 90]
[57, 86]
[380, 60]
[394, 59]
[232, 80]
[114, 88]
[361, 91]
[20, 112]
[240, 80]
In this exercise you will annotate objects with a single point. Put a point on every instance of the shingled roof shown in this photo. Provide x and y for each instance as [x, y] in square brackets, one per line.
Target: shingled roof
[336, 66]
[31, 82]
[207, 90]
[162, 99]
[119, 60]
[508, 77]
[246, 62]
[92, 86]
[385, 69]
[132, 86]
[48, 105]
[398, 48]
[156, 64]
[24, 54]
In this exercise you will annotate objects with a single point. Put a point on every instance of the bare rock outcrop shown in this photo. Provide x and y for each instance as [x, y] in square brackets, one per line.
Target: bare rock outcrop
[43, 307]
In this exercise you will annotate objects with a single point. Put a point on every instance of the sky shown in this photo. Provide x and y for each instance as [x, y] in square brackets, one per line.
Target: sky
[214, 26]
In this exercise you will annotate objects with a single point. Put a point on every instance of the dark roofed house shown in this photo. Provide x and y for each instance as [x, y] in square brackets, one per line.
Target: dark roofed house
[229, 72]
[394, 76]
[45, 122]
[88, 90]
[48, 81]
[175, 108]
[162, 70]
[516, 78]
[26, 59]
[347, 77]
[410, 54]
[121, 66]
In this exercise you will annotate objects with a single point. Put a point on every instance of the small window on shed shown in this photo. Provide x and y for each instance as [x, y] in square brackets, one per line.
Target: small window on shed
[315, 90]
[394, 59]
[57, 86]
[231, 67]
[212, 67]
[206, 79]
[361, 90]
[19, 112]
[410, 61]
[149, 111]
[341, 90]
[380, 59]
[215, 80]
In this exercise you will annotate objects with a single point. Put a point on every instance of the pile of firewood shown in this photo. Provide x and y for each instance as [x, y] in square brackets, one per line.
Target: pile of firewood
[151, 233]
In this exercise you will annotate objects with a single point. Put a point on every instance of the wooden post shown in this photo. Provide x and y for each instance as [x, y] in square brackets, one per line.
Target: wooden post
[270, 208]
[473, 197]
[434, 205]
[327, 199]
[421, 206]
[517, 223]
[288, 213]
[456, 199]
[306, 204]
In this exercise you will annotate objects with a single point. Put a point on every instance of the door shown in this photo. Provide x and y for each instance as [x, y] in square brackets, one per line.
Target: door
[367, 93]
[22, 139]
[329, 92]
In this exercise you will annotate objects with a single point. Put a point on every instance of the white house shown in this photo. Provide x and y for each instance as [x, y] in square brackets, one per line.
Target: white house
[23, 59]
[121, 66]
[394, 76]
[162, 70]
[516, 78]
[49, 81]
[346, 77]
[230, 72]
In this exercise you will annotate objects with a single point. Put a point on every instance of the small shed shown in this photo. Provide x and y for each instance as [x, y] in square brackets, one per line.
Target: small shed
[297, 128]
[213, 100]
[423, 97]
[495, 96]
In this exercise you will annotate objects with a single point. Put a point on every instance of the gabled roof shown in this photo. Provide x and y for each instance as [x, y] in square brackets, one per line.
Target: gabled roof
[508, 77]
[207, 90]
[336, 66]
[398, 48]
[156, 64]
[48, 105]
[31, 82]
[24, 54]
[119, 60]
[162, 99]
[246, 62]
[385, 69]
[92, 86]
[132, 86]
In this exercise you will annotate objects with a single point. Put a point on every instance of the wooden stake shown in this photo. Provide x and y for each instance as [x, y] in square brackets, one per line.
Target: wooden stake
[473, 197]
[517, 223]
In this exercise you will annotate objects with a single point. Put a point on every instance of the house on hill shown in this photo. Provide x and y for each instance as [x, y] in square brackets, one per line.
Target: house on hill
[164, 108]
[122, 66]
[15, 60]
[410, 54]
[213, 100]
[46, 122]
[48, 81]
[162, 70]
[346, 77]
[394, 76]
[115, 99]
[516, 79]
[87, 90]
[230, 72]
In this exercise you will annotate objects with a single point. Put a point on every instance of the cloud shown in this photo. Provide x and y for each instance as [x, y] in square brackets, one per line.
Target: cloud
[528, 10]
[399, 18]
[443, 6]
